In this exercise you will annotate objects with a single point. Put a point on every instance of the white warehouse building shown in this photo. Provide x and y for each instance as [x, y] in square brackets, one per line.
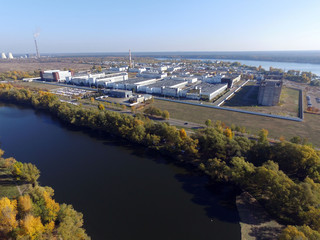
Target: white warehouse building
[133, 84]
[212, 79]
[99, 79]
[168, 87]
[152, 74]
[206, 91]
[55, 75]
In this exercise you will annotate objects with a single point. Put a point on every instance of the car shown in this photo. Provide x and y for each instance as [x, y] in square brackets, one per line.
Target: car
[185, 123]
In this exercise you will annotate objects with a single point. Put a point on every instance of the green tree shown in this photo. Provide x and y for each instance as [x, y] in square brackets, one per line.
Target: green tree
[70, 224]
[165, 114]
[208, 123]
[263, 136]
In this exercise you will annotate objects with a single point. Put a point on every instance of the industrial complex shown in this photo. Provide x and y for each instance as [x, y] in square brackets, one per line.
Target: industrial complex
[149, 80]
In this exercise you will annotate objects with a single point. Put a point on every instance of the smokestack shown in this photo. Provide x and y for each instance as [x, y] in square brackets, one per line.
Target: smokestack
[130, 63]
[35, 41]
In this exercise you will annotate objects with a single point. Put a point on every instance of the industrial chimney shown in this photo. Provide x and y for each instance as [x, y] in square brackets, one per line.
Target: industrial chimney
[35, 41]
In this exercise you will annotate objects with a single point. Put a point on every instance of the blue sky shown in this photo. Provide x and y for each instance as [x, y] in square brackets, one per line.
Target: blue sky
[140, 25]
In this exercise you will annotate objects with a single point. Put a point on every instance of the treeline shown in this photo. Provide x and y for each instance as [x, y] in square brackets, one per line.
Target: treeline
[18, 75]
[35, 214]
[284, 176]
[154, 111]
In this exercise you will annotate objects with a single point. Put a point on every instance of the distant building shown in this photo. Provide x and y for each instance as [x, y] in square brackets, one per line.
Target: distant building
[10, 56]
[134, 84]
[269, 92]
[55, 75]
[120, 93]
[167, 87]
[206, 91]
[118, 69]
[230, 80]
[189, 79]
[97, 79]
[3, 56]
[152, 74]
[212, 79]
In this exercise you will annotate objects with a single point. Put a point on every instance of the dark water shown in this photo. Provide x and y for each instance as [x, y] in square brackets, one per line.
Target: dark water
[123, 191]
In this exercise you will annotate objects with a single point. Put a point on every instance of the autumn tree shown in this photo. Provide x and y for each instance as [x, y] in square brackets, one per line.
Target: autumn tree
[291, 233]
[101, 107]
[26, 172]
[8, 212]
[24, 204]
[70, 224]
[31, 226]
[228, 133]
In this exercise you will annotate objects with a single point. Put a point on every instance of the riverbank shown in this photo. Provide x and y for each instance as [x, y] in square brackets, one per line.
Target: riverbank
[111, 178]
[273, 174]
[28, 210]
[255, 222]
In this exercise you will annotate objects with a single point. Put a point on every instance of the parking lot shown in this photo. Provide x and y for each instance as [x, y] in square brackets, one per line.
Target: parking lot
[71, 92]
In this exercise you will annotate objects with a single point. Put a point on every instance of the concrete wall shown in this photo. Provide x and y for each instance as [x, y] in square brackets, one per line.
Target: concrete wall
[269, 92]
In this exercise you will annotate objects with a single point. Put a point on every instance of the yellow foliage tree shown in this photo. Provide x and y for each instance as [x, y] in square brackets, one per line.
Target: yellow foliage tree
[290, 233]
[24, 204]
[8, 162]
[182, 133]
[31, 226]
[101, 107]
[51, 206]
[49, 227]
[228, 133]
[8, 212]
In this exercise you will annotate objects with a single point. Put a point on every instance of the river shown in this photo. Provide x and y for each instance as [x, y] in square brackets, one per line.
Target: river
[123, 191]
[305, 67]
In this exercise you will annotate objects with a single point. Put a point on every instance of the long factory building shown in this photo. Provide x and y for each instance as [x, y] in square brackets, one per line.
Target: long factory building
[171, 87]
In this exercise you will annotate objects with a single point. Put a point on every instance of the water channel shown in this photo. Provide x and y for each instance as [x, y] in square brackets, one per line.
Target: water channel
[124, 191]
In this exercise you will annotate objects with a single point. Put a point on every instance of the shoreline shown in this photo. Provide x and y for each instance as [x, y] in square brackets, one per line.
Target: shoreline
[255, 222]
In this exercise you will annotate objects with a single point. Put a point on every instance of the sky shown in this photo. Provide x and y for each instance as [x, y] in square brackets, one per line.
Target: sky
[69, 26]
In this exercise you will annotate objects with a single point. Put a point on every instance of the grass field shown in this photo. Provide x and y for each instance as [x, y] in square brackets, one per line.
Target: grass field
[43, 64]
[35, 85]
[309, 128]
[8, 187]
